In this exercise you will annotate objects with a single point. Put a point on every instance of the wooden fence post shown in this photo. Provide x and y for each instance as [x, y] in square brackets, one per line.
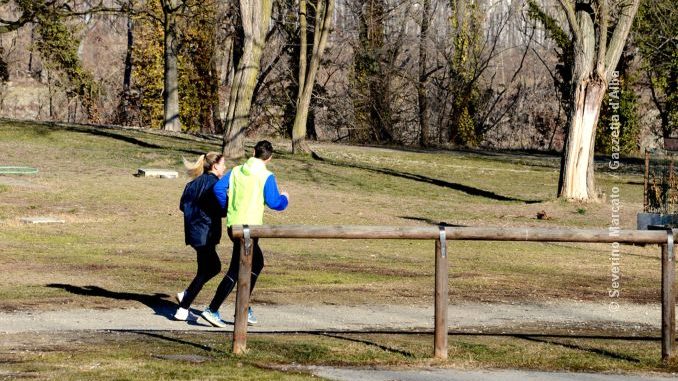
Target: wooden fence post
[441, 296]
[243, 295]
[646, 180]
[668, 298]
[659, 237]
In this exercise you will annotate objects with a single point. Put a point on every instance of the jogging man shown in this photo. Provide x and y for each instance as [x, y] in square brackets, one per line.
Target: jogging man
[247, 189]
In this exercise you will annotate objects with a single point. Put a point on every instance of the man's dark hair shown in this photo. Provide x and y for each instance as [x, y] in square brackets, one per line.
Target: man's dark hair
[263, 150]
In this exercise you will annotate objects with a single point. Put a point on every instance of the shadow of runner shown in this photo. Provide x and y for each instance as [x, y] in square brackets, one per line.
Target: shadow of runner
[156, 301]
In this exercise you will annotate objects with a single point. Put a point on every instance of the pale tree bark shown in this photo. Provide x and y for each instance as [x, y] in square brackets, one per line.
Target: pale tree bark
[170, 92]
[255, 16]
[308, 70]
[594, 63]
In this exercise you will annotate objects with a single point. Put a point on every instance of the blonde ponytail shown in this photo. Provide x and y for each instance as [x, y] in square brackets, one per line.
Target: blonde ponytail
[202, 165]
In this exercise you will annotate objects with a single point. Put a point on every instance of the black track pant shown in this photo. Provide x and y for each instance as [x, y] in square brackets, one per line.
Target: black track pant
[209, 265]
[231, 278]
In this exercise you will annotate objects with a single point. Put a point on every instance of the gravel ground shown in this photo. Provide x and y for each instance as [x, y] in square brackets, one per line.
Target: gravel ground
[473, 316]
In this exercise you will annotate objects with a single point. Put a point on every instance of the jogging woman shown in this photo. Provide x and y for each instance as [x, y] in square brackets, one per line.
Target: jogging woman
[202, 224]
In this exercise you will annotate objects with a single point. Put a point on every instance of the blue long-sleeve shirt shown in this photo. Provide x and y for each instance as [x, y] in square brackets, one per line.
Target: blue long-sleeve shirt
[272, 197]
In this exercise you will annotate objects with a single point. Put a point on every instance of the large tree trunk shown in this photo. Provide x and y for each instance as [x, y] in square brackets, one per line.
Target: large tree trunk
[323, 20]
[298, 131]
[578, 182]
[256, 17]
[170, 92]
[594, 63]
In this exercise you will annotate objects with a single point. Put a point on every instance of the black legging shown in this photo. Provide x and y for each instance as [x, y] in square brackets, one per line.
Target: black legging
[231, 278]
[209, 265]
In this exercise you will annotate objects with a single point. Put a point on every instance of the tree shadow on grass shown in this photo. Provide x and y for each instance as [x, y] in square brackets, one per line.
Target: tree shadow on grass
[368, 342]
[471, 191]
[132, 140]
[156, 302]
[598, 351]
[344, 335]
[432, 222]
[116, 136]
[546, 338]
[121, 134]
[168, 338]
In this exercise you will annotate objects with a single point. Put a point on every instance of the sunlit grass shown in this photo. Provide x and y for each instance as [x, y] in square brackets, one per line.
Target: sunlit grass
[124, 234]
[195, 355]
[123, 230]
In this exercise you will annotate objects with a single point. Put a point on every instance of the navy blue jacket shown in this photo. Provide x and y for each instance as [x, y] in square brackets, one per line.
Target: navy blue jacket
[202, 212]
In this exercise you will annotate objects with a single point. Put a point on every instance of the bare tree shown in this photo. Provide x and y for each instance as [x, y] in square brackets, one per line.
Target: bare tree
[422, 96]
[255, 16]
[371, 75]
[324, 10]
[170, 92]
[123, 113]
[655, 34]
[595, 60]
[57, 44]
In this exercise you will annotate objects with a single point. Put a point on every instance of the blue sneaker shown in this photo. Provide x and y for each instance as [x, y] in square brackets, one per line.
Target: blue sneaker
[251, 319]
[213, 318]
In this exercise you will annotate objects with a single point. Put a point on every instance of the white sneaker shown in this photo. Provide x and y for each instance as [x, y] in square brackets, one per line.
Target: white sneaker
[181, 314]
[180, 296]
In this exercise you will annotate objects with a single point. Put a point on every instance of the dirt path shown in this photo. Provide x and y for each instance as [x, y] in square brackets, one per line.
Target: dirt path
[350, 374]
[473, 316]
[470, 317]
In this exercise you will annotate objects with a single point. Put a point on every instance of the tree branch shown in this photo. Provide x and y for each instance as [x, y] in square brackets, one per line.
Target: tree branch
[655, 98]
[568, 8]
[546, 66]
[621, 32]
[64, 11]
[603, 15]
[10, 26]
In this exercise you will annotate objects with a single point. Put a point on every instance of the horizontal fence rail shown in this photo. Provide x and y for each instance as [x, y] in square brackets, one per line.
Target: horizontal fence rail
[454, 233]
[441, 234]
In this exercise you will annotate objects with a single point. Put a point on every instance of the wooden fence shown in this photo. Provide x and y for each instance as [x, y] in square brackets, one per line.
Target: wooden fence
[441, 235]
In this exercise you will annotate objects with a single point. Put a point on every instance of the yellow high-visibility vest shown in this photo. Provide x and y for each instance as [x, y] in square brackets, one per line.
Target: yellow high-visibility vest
[246, 193]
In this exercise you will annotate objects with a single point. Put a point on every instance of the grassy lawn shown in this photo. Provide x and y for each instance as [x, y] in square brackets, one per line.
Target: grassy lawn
[124, 234]
[183, 355]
